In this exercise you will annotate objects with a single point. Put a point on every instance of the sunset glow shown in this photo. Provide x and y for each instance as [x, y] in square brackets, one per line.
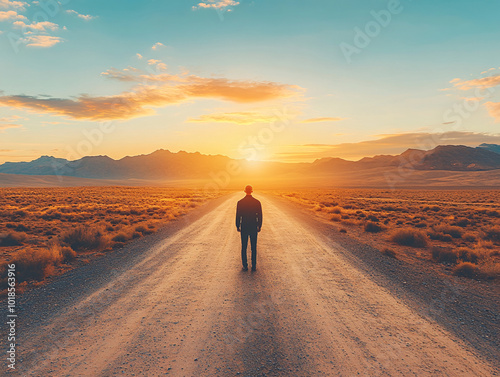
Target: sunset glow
[344, 80]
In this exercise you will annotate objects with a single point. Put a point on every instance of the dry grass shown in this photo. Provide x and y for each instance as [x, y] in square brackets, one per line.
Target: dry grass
[373, 227]
[43, 230]
[466, 269]
[409, 237]
[390, 253]
[443, 226]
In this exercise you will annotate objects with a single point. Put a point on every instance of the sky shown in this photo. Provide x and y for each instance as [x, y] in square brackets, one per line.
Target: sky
[273, 80]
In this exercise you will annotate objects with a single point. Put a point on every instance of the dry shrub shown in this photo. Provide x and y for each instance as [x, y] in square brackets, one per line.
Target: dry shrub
[466, 269]
[337, 210]
[485, 244]
[84, 238]
[12, 239]
[343, 230]
[420, 224]
[440, 237]
[444, 255]
[372, 227]
[409, 237]
[433, 208]
[468, 255]
[35, 264]
[349, 222]
[454, 231]
[142, 229]
[469, 237]
[121, 238]
[492, 233]
[462, 222]
[336, 218]
[490, 270]
[390, 253]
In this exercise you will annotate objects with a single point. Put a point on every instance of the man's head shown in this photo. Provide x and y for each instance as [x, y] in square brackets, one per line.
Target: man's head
[248, 190]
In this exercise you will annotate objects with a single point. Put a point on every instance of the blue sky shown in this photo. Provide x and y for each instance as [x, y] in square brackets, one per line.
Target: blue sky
[223, 75]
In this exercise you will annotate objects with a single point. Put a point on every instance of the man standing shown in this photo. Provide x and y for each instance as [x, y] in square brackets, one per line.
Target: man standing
[249, 222]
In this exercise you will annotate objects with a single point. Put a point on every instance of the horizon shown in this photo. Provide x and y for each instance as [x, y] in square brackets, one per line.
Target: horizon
[268, 82]
[209, 155]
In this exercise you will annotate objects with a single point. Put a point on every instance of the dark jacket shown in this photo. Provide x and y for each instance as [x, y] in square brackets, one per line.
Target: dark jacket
[249, 214]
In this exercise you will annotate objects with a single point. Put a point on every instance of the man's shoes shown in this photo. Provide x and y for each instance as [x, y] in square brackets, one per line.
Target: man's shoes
[253, 268]
[244, 268]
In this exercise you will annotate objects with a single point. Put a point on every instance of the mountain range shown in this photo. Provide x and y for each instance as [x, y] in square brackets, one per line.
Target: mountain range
[163, 165]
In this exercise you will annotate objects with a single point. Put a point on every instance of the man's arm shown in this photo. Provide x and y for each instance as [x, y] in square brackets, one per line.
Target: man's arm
[259, 216]
[238, 217]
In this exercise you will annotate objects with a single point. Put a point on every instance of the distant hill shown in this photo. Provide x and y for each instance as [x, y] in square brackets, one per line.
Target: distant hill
[491, 147]
[459, 158]
[163, 165]
[443, 157]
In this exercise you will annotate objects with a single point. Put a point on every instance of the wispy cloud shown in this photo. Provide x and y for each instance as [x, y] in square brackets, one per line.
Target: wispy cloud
[86, 17]
[167, 90]
[216, 4]
[37, 26]
[494, 109]
[317, 120]
[10, 122]
[11, 15]
[484, 83]
[242, 118]
[5, 126]
[7, 4]
[160, 66]
[34, 34]
[42, 40]
[157, 45]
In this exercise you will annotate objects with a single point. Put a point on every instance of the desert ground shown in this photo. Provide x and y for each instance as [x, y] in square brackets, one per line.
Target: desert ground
[458, 229]
[321, 303]
[48, 231]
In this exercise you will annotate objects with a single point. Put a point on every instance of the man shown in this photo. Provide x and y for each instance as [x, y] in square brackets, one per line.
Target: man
[249, 222]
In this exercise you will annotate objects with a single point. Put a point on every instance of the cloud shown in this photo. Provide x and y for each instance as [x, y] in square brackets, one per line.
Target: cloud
[167, 90]
[216, 4]
[35, 34]
[12, 118]
[494, 110]
[86, 17]
[7, 4]
[242, 118]
[317, 120]
[11, 15]
[484, 83]
[387, 144]
[157, 45]
[37, 26]
[5, 126]
[139, 56]
[42, 40]
[158, 64]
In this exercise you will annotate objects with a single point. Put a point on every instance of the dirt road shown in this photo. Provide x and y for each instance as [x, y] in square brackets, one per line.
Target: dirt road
[185, 308]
